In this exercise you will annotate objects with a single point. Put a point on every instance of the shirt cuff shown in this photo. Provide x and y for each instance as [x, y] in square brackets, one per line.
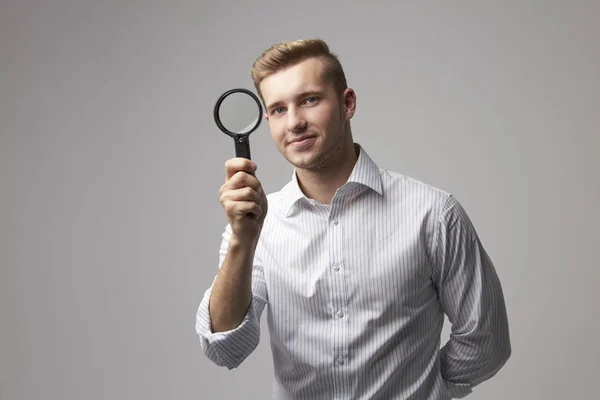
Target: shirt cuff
[228, 348]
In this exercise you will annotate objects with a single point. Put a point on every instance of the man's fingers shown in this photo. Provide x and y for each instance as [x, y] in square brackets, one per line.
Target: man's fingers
[243, 179]
[242, 208]
[242, 194]
[234, 165]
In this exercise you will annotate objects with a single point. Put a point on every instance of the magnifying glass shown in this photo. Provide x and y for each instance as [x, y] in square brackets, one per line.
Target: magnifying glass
[238, 113]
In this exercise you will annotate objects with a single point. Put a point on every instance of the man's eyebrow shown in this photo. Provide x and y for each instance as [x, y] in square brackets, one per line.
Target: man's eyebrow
[298, 96]
[273, 105]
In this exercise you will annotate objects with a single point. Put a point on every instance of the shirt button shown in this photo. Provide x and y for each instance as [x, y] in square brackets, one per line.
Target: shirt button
[335, 222]
[340, 314]
[340, 360]
[336, 267]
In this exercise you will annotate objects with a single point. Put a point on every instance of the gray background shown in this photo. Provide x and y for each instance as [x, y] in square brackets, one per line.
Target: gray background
[111, 164]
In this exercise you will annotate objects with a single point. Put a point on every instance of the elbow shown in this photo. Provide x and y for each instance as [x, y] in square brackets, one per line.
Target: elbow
[504, 346]
[498, 357]
[505, 354]
[230, 348]
[219, 357]
[499, 349]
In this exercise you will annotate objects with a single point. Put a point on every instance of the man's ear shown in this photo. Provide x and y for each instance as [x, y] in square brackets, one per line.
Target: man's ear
[266, 116]
[349, 102]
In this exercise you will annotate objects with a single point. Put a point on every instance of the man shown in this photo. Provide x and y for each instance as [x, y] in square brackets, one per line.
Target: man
[357, 264]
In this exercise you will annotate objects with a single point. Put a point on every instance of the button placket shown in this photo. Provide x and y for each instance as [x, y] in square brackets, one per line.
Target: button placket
[338, 296]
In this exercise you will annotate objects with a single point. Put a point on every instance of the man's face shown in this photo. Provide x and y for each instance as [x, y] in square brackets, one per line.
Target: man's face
[307, 118]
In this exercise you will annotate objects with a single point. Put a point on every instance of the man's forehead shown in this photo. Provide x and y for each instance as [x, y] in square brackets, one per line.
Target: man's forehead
[291, 81]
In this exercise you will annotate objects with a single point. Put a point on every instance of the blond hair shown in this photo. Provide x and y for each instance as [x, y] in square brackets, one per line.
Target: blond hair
[288, 53]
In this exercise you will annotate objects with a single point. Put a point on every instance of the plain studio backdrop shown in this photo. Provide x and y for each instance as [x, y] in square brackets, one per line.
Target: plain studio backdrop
[110, 166]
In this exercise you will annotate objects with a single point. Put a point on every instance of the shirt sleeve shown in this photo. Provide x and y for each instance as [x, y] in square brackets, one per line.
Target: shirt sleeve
[472, 298]
[231, 348]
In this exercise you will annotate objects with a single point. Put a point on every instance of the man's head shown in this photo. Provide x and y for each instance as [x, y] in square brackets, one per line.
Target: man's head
[304, 90]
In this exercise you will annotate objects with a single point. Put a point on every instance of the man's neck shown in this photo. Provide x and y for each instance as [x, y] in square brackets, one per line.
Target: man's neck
[322, 185]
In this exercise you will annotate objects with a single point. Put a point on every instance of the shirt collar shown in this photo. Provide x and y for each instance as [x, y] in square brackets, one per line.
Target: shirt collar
[365, 173]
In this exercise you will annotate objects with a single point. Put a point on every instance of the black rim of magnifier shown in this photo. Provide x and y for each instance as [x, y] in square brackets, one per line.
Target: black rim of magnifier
[236, 135]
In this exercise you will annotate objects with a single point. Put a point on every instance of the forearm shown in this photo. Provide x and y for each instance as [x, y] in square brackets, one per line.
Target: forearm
[474, 357]
[232, 290]
[228, 317]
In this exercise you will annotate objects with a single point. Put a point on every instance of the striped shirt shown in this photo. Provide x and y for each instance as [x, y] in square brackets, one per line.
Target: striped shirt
[357, 291]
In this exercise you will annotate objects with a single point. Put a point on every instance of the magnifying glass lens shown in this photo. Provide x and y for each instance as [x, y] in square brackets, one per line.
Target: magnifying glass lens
[238, 113]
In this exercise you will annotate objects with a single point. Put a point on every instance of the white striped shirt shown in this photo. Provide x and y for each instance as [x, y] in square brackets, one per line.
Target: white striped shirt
[357, 291]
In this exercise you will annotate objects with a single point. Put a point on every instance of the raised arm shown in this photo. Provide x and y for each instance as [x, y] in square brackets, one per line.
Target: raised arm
[228, 318]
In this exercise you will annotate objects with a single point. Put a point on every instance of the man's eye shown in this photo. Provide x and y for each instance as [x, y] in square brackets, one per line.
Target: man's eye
[278, 110]
[311, 99]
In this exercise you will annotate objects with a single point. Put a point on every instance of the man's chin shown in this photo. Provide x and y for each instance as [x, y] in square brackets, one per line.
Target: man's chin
[301, 162]
[309, 159]
[306, 163]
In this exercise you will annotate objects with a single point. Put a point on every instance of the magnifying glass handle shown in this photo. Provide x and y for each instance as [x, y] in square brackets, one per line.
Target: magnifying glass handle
[242, 147]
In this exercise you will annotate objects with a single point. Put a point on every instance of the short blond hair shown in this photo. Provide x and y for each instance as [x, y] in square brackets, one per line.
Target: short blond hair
[288, 53]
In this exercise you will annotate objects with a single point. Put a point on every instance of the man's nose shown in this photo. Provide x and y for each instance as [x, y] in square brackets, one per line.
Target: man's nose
[295, 120]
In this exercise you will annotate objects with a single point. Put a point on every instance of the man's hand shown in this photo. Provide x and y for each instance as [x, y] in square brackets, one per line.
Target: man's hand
[243, 199]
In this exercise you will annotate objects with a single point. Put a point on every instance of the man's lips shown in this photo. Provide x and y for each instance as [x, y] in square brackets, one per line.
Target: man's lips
[301, 139]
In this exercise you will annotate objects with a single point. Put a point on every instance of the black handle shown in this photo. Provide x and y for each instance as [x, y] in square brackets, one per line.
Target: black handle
[242, 147]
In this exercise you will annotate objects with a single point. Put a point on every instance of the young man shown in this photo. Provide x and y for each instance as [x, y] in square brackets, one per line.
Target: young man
[357, 264]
